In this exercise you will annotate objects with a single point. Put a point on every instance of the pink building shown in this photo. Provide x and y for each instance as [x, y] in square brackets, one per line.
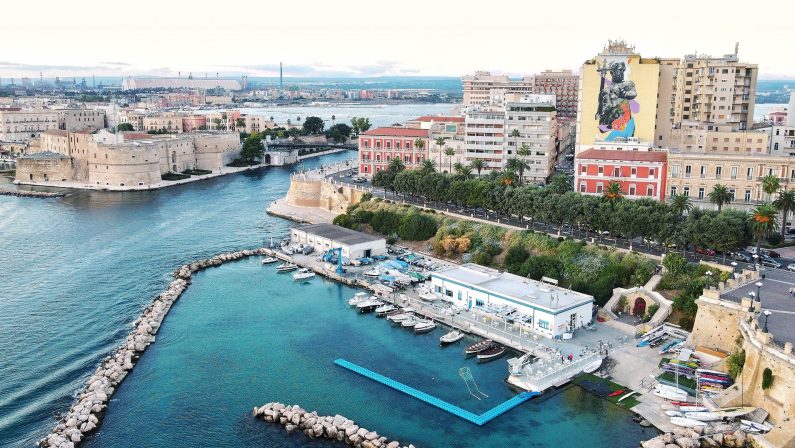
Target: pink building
[778, 118]
[378, 146]
[193, 122]
[641, 173]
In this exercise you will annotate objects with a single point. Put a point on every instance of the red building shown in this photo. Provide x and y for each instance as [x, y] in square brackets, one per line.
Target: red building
[641, 171]
[378, 146]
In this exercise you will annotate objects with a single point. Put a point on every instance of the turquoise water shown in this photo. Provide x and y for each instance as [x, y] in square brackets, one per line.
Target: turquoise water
[76, 271]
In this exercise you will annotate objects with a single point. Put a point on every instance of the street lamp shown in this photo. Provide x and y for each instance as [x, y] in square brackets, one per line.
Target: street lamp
[734, 267]
[767, 314]
[756, 262]
[709, 279]
[758, 291]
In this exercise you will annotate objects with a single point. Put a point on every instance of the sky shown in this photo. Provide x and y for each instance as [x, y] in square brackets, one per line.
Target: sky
[352, 38]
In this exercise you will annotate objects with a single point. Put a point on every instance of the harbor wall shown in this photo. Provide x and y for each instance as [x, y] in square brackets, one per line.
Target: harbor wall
[309, 191]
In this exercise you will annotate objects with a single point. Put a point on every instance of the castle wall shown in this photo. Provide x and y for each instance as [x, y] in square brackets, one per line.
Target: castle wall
[44, 170]
[322, 194]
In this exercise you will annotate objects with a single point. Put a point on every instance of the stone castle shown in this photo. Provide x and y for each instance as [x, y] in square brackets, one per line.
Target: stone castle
[106, 160]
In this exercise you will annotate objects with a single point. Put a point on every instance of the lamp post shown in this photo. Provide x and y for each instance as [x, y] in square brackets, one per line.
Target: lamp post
[734, 267]
[758, 291]
[767, 314]
[709, 279]
[753, 299]
[756, 262]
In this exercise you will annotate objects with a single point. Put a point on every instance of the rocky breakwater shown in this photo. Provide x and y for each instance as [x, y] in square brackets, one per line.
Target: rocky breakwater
[338, 428]
[86, 413]
[721, 435]
[31, 194]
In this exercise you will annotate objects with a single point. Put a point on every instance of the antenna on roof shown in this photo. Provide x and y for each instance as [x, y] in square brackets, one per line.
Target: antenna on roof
[736, 48]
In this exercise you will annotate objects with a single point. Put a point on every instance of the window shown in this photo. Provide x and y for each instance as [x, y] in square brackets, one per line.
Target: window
[703, 171]
[675, 171]
[583, 169]
[601, 169]
[448, 292]
[734, 172]
[634, 171]
[701, 192]
[479, 302]
[718, 171]
[543, 324]
[687, 170]
[747, 195]
[582, 187]
[650, 190]
[616, 171]
[749, 173]
[652, 172]
[686, 191]
[599, 188]
[632, 190]
[673, 191]
[733, 192]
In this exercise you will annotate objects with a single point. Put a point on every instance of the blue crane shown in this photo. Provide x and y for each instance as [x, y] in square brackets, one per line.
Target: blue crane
[331, 254]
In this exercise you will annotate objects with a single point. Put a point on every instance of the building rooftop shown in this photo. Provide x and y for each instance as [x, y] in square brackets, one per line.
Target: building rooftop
[57, 132]
[397, 132]
[450, 119]
[624, 155]
[339, 234]
[513, 287]
[46, 155]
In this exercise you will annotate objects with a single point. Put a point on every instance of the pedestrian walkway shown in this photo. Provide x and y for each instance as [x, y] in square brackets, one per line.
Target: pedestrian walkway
[479, 420]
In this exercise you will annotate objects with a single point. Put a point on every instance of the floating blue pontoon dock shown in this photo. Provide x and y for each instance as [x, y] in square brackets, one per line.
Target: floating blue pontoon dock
[479, 420]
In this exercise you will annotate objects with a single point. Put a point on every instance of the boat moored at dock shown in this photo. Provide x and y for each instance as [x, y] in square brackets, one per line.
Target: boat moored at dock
[479, 347]
[451, 337]
[491, 353]
[424, 326]
[286, 267]
[303, 274]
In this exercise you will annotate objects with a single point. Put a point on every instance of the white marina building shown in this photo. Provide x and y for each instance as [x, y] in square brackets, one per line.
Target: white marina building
[548, 309]
[327, 236]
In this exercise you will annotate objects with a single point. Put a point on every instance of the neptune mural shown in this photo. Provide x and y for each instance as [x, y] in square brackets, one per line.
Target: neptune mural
[617, 102]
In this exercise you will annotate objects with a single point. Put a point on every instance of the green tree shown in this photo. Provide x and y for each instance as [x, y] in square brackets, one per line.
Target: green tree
[613, 191]
[770, 185]
[477, 165]
[522, 152]
[767, 378]
[252, 148]
[417, 227]
[439, 142]
[735, 363]
[449, 152]
[339, 133]
[428, 166]
[785, 202]
[559, 184]
[240, 122]
[674, 263]
[680, 204]
[314, 125]
[515, 134]
[125, 127]
[419, 145]
[762, 221]
[720, 195]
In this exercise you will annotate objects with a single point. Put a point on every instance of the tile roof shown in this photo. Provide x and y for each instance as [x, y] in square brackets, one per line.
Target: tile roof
[440, 118]
[623, 155]
[55, 132]
[397, 132]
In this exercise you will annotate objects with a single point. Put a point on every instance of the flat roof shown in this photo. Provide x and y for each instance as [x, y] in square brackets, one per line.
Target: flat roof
[339, 234]
[514, 288]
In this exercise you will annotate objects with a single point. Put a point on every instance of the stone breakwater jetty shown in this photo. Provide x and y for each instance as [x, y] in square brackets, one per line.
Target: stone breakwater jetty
[31, 194]
[86, 413]
[722, 435]
[338, 428]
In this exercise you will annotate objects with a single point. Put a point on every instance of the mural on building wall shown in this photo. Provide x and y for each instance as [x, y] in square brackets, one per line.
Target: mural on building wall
[617, 103]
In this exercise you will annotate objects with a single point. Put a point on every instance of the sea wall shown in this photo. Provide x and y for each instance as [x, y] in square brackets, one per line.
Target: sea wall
[86, 413]
[31, 194]
[338, 428]
[721, 435]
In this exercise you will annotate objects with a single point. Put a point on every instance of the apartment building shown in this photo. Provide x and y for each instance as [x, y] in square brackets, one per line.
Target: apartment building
[699, 139]
[485, 134]
[192, 123]
[134, 118]
[715, 91]
[695, 174]
[18, 125]
[258, 123]
[449, 128]
[73, 119]
[377, 147]
[563, 84]
[640, 169]
[781, 139]
[534, 116]
[171, 123]
[477, 87]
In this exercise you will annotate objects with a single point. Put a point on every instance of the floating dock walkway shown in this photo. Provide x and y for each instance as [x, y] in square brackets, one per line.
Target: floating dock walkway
[479, 420]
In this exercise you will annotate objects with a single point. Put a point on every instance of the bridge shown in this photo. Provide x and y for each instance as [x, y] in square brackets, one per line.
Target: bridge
[291, 146]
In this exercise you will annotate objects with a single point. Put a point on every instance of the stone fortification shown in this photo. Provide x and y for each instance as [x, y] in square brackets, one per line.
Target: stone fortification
[309, 191]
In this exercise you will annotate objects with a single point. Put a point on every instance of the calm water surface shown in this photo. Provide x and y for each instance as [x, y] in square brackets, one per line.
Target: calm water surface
[76, 271]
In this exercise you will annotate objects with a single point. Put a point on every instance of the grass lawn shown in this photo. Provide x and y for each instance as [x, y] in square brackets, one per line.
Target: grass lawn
[174, 176]
[602, 387]
[196, 172]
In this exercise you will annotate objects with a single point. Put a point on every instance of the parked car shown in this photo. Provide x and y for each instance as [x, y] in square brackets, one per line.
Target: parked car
[703, 251]
[771, 253]
[767, 261]
[359, 180]
[743, 256]
[791, 267]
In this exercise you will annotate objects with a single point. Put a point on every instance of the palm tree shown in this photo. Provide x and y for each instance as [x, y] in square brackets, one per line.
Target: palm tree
[785, 202]
[523, 151]
[428, 166]
[419, 144]
[770, 184]
[515, 135]
[613, 191]
[439, 145]
[462, 171]
[396, 165]
[681, 204]
[507, 177]
[477, 165]
[449, 152]
[720, 195]
[763, 220]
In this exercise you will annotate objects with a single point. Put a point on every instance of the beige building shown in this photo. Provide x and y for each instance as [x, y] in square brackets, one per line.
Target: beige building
[563, 84]
[171, 123]
[135, 118]
[700, 139]
[23, 124]
[717, 92]
[73, 119]
[258, 123]
[695, 174]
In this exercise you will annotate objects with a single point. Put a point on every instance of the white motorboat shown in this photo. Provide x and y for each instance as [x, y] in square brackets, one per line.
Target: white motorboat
[369, 305]
[409, 322]
[269, 260]
[382, 311]
[303, 274]
[358, 297]
[758, 426]
[372, 273]
[451, 337]
[424, 326]
[286, 267]
[673, 413]
[592, 367]
[686, 422]
[705, 416]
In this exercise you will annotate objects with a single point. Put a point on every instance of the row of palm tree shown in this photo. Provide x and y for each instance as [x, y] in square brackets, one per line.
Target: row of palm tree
[783, 203]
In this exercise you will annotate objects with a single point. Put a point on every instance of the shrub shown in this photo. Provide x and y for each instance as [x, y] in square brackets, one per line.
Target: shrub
[481, 258]
[342, 220]
[622, 303]
[516, 255]
[417, 227]
[687, 322]
[735, 362]
[367, 196]
[391, 240]
[767, 378]
[363, 216]
[774, 239]
[651, 311]
[675, 263]
[385, 222]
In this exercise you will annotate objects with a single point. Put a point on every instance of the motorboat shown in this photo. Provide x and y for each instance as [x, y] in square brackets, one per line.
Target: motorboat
[424, 326]
[286, 267]
[372, 273]
[479, 347]
[757, 426]
[592, 367]
[382, 311]
[409, 322]
[399, 317]
[358, 297]
[491, 353]
[451, 337]
[303, 274]
[369, 305]
[269, 260]
[428, 296]
[686, 422]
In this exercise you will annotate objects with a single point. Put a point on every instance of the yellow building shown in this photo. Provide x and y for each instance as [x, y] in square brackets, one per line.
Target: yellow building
[618, 96]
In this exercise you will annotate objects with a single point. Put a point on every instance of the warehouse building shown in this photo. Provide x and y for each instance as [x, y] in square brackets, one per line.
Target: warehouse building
[549, 310]
[327, 236]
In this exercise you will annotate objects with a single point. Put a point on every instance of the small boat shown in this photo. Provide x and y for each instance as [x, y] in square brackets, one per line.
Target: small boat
[686, 422]
[286, 267]
[705, 416]
[382, 311]
[358, 297]
[668, 395]
[750, 429]
[451, 337]
[303, 274]
[672, 389]
[399, 317]
[269, 260]
[758, 426]
[372, 273]
[693, 408]
[369, 305]
[627, 396]
[673, 413]
[409, 322]
[424, 326]
[616, 393]
[734, 412]
[479, 347]
[491, 353]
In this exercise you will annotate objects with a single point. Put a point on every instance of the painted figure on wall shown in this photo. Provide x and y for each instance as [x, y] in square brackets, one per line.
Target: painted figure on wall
[617, 102]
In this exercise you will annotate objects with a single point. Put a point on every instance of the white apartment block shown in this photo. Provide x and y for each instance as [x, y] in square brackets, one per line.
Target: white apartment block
[20, 125]
[563, 84]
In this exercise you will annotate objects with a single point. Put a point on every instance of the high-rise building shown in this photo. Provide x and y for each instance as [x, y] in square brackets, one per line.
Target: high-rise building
[477, 87]
[563, 84]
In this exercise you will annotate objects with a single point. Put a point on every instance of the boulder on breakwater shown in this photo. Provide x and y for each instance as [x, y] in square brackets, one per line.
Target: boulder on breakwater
[31, 194]
[85, 414]
[721, 435]
[337, 427]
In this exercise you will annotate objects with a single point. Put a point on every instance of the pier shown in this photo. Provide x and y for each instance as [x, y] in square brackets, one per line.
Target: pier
[479, 420]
